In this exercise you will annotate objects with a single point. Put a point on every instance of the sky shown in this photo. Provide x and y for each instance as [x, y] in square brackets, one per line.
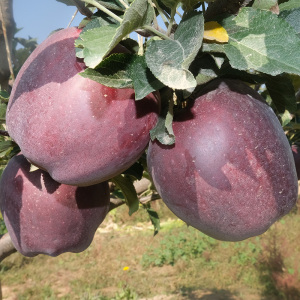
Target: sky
[38, 18]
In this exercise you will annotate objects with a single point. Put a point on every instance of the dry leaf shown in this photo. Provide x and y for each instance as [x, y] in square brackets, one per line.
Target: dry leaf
[213, 31]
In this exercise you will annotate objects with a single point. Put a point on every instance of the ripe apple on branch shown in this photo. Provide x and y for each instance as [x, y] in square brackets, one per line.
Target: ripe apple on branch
[214, 113]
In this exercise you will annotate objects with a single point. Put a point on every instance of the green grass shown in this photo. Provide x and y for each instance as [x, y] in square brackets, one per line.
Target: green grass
[126, 262]
[175, 246]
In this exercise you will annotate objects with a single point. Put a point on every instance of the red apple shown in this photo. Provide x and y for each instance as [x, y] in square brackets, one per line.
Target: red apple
[231, 172]
[78, 130]
[43, 216]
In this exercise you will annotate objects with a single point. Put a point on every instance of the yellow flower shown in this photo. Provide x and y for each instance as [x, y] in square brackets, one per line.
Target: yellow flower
[125, 268]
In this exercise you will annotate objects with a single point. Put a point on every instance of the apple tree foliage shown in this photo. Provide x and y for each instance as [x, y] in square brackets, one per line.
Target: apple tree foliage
[176, 47]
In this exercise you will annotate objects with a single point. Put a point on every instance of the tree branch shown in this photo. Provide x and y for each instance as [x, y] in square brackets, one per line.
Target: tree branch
[6, 247]
[7, 28]
[220, 7]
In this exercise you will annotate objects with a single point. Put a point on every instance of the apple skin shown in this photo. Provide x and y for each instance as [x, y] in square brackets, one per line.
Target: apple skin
[296, 154]
[43, 216]
[231, 172]
[76, 129]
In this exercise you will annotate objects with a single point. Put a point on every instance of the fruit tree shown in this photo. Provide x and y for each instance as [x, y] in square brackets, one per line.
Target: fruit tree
[198, 99]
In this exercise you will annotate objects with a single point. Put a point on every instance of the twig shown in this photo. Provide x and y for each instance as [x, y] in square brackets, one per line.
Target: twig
[7, 44]
[6, 246]
[74, 15]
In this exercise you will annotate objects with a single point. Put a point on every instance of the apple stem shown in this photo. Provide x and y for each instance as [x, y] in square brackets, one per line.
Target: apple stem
[104, 9]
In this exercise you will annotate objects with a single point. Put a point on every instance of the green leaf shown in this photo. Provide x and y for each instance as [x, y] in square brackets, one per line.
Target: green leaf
[261, 41]
[3, 108]
[6, 147]
[144, 82]
[139, 14]
[282, 92]
[169, 60]
[204, 68]
[98, 42]
[291, 4]
[188, 5]
[286, 118]
[170, 3]
[296, 82]
[67, 2]
[292, 17]
[102, 20]
[95, 44]
[163, 130]
[4, 96]
[164, 7]
[264, 4]
[213, 47]
[125, 184]
[190, 35]
[164, 58]
[154, 218]
[160, 133]
[228, 71]
[112, 71]
[130, 44]
[169, 120]
[112, 4]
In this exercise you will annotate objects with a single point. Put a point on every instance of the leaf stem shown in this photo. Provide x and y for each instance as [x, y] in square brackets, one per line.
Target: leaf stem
[156, 32]
[173, 12]
[124, 3]
[161, 13]
[104, 9]
[141, 45]
[179, 14]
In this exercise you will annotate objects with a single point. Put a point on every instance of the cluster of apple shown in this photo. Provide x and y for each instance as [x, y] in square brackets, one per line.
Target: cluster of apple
[230, 174]
[79, 134]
